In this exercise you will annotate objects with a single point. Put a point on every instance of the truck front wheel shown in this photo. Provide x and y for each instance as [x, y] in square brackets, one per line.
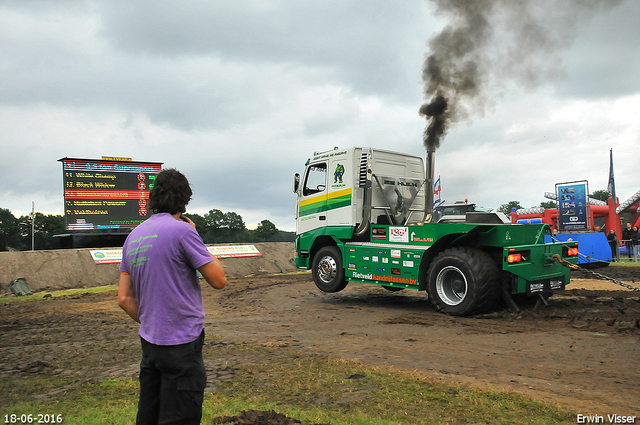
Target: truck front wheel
[462, 281]
[328, 273]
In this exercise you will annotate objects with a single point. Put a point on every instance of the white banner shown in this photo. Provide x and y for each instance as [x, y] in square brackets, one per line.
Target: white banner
[107, 256]
[234, 251]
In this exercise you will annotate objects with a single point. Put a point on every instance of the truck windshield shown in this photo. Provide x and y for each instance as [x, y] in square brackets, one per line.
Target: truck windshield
[316, 179]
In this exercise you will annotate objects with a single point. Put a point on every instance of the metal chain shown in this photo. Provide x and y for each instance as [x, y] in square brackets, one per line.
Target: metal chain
[598, 275]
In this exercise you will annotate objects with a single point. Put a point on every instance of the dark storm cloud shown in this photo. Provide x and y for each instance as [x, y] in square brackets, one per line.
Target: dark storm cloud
[159, 89]
[605, 61]
[262, 184]
[204, 65]
[313, 32]
[354, 42]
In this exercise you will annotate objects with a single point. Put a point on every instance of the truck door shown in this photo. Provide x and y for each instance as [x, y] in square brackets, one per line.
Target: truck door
[339, 207]
[312, 202]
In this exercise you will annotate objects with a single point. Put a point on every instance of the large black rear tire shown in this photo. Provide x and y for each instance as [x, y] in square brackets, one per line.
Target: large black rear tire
[463, 281]
[327, 269]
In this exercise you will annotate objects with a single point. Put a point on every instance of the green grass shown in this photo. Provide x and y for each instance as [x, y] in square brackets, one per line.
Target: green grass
[624, 263]
[310, 388]
[63, 293]
[107, 402]
[317, 389]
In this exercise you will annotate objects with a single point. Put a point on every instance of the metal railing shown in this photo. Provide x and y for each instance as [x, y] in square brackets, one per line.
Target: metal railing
[632, 251]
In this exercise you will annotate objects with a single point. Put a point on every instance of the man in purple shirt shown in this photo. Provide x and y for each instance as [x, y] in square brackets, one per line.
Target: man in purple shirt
[159, 289]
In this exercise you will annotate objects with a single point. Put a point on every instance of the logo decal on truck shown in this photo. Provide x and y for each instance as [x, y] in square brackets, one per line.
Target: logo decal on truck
[337, 175]
[379, 233]
[399, 234]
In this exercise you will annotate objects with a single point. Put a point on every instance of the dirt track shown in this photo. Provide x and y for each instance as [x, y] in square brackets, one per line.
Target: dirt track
[581, 351]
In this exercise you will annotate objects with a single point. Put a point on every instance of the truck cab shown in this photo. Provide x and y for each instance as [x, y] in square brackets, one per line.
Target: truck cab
[332, 190]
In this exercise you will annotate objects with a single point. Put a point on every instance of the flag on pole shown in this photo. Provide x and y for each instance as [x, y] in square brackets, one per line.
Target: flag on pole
[611, 187]
[436, 192]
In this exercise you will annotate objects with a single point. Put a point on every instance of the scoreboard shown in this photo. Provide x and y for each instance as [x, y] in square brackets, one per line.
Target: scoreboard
[109, 193]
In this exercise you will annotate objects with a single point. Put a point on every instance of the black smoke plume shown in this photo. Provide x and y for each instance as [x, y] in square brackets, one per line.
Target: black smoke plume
[489, 44]
[437, 113]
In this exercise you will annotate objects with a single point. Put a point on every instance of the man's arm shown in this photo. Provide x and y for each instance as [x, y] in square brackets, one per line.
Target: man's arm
[213, 273]
[127, 296]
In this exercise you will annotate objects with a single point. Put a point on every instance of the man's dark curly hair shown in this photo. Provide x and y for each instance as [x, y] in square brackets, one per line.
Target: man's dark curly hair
[170, 193]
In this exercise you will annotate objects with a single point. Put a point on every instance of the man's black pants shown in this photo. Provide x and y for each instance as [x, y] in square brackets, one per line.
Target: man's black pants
[172, 383]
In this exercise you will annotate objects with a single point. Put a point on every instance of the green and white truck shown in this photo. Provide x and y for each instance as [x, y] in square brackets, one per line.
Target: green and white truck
[366, 215]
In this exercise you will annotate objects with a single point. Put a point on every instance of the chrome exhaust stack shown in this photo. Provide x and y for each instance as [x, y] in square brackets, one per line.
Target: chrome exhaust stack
[429, 182]
[364, 182]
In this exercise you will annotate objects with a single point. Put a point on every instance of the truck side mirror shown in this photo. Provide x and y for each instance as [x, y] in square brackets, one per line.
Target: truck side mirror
[296, 182]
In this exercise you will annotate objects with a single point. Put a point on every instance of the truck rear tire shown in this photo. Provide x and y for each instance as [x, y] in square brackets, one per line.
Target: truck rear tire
[328, 273]
[463, 281]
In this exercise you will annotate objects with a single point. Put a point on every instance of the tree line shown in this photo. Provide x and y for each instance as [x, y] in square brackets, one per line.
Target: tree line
[218, 227]
[15, 232]
[214, 227]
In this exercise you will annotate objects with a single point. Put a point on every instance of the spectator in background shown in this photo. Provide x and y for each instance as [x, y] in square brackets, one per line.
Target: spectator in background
[635, 241]
[613, 243]
[627, 235]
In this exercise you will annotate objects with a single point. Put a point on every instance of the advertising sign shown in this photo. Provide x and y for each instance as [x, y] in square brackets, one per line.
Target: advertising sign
[399, 234]
[107, 256]
[573, 213]
[234, 251]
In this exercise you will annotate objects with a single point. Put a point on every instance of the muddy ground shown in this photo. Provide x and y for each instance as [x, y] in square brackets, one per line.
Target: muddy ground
[582, 351]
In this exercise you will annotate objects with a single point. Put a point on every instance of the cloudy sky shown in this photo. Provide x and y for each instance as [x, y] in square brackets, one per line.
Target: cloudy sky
[238, 94]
